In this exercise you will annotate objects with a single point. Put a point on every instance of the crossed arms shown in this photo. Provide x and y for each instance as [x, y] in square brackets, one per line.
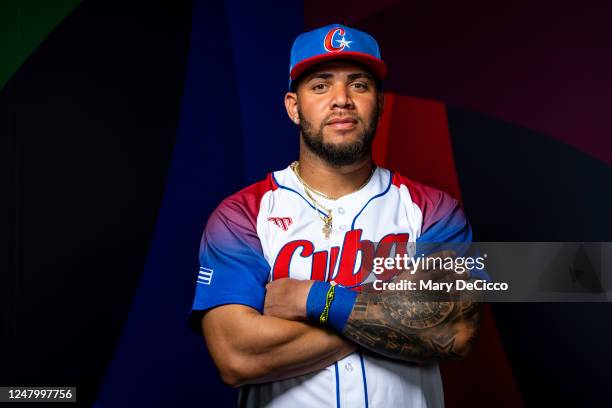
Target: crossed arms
[249, 347]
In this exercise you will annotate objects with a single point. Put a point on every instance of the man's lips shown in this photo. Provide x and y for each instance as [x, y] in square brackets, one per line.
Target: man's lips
[342, 123]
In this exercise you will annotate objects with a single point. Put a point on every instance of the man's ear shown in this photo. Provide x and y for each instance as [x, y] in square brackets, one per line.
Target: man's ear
[291, 105]
[381, 103]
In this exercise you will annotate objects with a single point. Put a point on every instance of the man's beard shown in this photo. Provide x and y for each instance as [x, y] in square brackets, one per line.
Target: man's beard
[344, 154]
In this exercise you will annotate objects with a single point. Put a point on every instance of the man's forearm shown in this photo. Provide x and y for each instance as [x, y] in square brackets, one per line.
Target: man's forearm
[400, 326]
[258, 348]
[294, 349]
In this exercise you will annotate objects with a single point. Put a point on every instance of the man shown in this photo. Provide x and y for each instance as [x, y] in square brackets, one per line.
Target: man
[282, 283]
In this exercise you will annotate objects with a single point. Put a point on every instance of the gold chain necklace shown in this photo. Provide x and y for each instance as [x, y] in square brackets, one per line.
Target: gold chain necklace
[327, 219]
[295, 166]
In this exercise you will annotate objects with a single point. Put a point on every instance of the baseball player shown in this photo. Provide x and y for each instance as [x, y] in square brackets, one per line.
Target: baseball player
[280, 292]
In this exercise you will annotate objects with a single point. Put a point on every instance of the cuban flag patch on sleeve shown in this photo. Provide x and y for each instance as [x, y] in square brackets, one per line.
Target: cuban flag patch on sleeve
[205, 276]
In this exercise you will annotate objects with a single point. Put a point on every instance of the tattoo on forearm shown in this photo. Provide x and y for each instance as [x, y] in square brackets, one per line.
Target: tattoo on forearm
[410, 327]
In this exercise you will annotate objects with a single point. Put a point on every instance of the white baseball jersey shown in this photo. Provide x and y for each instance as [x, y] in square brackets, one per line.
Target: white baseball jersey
[271, 230]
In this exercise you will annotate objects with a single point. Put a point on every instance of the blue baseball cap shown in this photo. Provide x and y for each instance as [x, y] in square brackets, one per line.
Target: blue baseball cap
[332, 42]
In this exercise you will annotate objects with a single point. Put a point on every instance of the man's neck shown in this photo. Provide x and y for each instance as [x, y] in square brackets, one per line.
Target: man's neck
[330, 180]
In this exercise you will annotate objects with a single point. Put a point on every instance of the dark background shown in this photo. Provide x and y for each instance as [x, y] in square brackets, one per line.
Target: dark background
[123, 124]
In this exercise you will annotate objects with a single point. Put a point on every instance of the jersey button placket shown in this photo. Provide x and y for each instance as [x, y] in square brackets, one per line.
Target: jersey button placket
[351, 382]
[342, 218]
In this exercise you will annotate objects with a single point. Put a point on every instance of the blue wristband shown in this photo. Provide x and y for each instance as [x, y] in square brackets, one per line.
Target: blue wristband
[340, 309]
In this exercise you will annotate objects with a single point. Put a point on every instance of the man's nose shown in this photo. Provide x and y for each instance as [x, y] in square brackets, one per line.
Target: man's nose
[341, 98]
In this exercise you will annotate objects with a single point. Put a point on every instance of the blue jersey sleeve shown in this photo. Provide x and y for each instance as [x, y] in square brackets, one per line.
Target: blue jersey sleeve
[445, 221]
[232, 269]
[445, 226]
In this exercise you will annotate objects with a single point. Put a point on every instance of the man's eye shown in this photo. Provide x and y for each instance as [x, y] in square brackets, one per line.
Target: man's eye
[360, 85]
[318, 87]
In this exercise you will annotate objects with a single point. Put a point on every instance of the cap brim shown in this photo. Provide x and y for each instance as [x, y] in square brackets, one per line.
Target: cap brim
[378, 67]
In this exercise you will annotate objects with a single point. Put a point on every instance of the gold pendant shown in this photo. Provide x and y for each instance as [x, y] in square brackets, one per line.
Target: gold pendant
[326, 231]
[327, 228]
